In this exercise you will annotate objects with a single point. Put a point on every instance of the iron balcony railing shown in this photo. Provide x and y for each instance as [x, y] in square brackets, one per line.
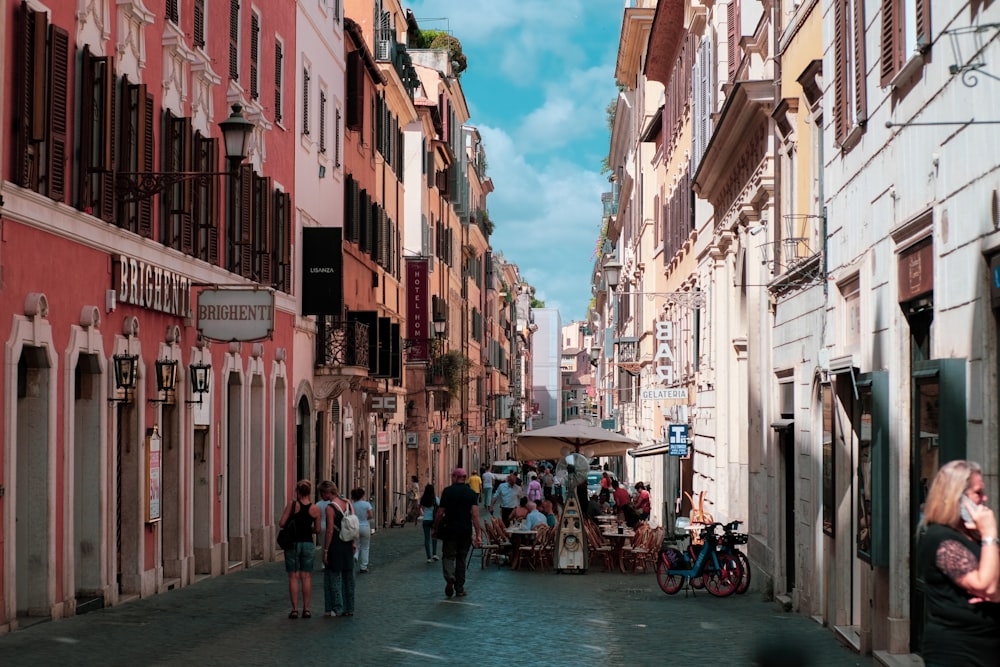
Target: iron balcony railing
[341, 343]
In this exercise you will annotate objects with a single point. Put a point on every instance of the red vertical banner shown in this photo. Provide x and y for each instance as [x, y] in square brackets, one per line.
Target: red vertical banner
[418, 325]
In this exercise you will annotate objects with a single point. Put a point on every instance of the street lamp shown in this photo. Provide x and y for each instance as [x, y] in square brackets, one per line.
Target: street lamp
[135, 186]
[199, 380]
[440, 326]
[125, 373]
[612, 272]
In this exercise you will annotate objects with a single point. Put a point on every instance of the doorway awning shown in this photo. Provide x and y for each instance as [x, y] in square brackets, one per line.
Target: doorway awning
[650, 450]
[782, 424]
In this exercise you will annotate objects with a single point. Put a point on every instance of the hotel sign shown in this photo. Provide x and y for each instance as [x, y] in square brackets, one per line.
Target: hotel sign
[227, 315]
[139, 283]
[417, 324]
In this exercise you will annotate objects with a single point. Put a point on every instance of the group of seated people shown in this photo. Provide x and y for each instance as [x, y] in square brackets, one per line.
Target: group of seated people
[529, 514]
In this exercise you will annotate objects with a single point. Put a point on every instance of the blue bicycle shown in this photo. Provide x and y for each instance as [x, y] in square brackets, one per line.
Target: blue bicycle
[708, 565]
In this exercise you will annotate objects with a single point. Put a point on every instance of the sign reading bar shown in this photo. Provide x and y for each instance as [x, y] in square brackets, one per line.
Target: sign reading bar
[227, 315]
[666, 393]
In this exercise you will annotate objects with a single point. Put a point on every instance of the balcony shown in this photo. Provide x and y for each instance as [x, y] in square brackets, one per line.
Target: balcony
[342, 347]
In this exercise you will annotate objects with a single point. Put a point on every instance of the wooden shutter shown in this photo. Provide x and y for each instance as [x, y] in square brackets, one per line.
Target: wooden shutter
[840, 69]
[265, 224]
[254, 54]
[282, 240]
[29, 115]
[278, 59]
[860, 65]
[199, 23]
[891, 40]
[146, 153]
[322, 121]
[305, 101]
[733, 36]
[234, 39]
[172, 14]
[922, 19]
[244, 232]
[57, 103]
[107, 188]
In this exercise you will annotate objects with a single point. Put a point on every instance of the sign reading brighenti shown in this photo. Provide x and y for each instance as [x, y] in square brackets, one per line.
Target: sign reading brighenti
[227, 315]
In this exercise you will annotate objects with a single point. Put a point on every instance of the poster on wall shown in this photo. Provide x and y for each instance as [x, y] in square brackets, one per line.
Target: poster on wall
[153, 470]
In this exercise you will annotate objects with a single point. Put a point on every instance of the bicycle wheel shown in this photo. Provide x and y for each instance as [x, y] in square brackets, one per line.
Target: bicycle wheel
[723, 581]
[670, 583]
[744, 562]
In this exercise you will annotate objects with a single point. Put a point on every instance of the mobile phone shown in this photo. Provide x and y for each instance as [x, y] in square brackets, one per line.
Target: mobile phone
[966, 509]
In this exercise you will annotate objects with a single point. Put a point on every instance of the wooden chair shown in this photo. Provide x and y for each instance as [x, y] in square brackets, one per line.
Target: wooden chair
[643, 554]
[532, 554]
[598, 548]
[490, 548]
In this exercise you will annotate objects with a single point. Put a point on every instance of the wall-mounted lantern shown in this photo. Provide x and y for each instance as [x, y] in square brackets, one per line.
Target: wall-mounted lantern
[199, 380]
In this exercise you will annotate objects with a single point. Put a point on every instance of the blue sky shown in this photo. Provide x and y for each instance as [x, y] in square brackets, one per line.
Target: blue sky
[540, 75]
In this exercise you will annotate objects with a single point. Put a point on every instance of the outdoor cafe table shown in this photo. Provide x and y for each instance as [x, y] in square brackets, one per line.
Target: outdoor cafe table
[517, 537]
[617, 540]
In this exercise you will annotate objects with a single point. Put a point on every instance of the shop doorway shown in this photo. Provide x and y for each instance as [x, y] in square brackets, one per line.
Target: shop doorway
[87, 524]
[33, 527]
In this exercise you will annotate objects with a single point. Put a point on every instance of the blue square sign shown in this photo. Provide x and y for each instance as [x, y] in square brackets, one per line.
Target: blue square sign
[677, 438]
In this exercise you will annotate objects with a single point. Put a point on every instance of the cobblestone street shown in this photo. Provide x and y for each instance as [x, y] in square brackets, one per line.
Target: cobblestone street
[403, 618]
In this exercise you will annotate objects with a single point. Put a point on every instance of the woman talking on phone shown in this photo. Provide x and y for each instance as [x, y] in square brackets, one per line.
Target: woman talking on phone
[958, 560]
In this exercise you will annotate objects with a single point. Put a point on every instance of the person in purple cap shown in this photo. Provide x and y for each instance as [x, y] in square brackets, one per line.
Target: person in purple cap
[458, 528]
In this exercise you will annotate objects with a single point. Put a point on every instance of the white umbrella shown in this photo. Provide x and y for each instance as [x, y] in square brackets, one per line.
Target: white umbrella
[575, 435]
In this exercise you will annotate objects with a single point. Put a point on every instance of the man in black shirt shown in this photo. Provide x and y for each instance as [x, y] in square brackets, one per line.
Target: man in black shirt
[458, 519]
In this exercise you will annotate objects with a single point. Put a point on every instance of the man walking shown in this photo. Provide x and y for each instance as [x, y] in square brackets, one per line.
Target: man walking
[509, 496]
[459, 529]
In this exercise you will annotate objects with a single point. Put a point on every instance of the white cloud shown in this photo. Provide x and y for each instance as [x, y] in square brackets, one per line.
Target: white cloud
[541, 73]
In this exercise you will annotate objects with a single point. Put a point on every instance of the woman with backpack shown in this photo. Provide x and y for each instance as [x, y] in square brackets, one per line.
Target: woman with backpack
[338, 555]
[305, 517]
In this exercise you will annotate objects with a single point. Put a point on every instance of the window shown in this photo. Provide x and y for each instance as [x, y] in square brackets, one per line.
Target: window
[254, 55]
[175, 214]
[851, 294]
[234, 40]
[279, 57]
[733, 34]
[41, 118]
[135, 131]
[336, 135]
[97, 137]
[849, 89]
[199, 24]
[204, 226]
[355, 91]
[260, 240]
[305, 101]
[322, 121]
[906, 29]
[172, 13]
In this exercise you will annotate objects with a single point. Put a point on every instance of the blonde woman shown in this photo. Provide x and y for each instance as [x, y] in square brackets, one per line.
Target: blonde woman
[299, 559]
[958, 561]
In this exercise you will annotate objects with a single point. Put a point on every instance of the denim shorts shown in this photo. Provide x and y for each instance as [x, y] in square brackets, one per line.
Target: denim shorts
[300, 558]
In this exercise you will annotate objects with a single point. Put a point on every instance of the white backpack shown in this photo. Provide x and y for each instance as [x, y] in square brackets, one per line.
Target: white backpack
[349, 525]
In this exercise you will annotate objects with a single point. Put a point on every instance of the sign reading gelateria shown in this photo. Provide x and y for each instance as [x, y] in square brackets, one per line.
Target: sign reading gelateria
[148, 286]
[228, 315]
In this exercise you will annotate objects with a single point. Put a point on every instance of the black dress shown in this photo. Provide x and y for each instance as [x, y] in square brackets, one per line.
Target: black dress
[957, 632]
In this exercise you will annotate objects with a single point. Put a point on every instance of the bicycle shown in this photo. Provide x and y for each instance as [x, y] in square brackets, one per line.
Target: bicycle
[730, 542]
[708, 566]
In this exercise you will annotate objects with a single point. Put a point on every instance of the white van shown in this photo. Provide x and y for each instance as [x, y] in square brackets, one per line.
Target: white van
[501, 469]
